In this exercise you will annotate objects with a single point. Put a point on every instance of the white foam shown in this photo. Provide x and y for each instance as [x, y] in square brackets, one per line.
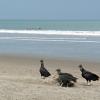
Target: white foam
[52, 32]
[44, 38]
[73, 40]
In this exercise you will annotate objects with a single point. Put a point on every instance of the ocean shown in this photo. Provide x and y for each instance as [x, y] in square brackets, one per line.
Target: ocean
[72, 39]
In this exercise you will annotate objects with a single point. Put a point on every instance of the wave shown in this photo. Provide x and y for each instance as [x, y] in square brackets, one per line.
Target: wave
[42, 38]
[52, 32]
[83, 40]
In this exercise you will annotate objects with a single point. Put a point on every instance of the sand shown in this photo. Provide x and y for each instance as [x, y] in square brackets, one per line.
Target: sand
[20, 79]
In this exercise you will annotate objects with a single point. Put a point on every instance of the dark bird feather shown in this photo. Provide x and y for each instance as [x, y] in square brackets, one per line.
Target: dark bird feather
[43, 71]
[89, 76]
[65, 79]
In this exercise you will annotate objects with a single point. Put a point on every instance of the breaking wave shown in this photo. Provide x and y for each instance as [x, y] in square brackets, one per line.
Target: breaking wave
[52, 32]
[84, 40]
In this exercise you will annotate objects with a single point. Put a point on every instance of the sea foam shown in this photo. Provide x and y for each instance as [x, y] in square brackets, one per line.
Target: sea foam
[52, 32]
[74, 39]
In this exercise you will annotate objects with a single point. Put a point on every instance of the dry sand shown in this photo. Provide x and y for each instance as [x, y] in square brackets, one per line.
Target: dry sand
[20, 80]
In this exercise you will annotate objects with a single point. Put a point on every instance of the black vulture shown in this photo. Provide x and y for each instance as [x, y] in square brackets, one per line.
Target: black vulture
[89, 76]
[65, 79]
[43, 71]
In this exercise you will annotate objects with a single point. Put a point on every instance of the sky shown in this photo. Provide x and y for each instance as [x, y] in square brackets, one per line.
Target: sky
[50, 9]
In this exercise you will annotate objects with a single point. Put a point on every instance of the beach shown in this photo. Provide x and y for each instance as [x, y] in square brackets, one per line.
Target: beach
[20, 79]
[61, 44]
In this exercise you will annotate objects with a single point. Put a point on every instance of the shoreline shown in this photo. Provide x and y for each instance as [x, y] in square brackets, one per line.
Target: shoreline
[29, 56]
[29, 60]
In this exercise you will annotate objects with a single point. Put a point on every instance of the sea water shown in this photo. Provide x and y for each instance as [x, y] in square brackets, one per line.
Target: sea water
[51, 38]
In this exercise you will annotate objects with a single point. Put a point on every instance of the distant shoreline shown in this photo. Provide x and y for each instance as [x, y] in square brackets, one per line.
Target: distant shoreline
[29, 56]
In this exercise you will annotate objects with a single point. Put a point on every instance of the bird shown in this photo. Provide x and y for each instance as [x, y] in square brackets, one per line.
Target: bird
[89, 76]
[65, 79]
[43, 71]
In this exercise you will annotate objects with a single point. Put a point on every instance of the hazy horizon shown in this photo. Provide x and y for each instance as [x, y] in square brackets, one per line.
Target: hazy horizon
[50, 9]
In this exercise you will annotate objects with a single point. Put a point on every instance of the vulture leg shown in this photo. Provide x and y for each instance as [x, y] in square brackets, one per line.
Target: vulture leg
[42, 77]
[88, 82]
[61, 84]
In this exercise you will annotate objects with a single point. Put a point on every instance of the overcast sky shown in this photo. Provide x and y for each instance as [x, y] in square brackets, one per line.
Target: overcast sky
[50, 9]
